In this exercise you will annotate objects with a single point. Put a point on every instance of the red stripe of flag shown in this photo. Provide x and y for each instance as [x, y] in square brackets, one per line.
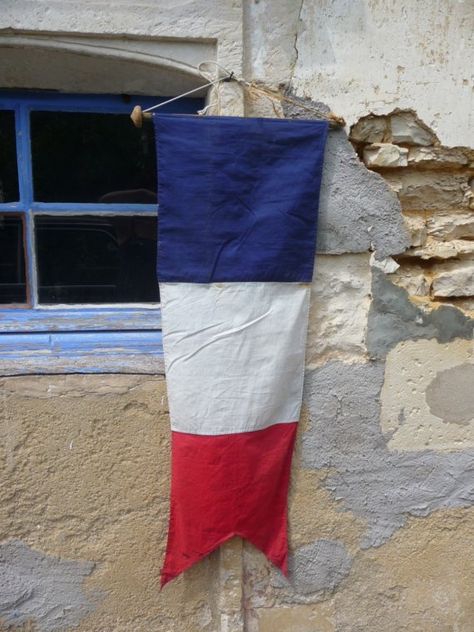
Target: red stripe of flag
[229, 485]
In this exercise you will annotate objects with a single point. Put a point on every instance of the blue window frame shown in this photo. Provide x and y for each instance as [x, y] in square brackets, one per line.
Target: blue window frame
[51, 336]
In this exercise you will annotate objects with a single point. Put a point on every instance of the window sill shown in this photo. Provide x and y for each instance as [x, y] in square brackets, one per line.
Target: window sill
[79, 318]
[87, 352]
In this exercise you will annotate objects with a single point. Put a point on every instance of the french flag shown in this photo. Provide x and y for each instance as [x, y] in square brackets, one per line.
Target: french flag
[237, 232]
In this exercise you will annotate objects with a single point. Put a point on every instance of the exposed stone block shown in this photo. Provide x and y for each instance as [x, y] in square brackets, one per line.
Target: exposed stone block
[429, 190]
[463, 246]
[385, 155]
[470, 193]
[441, 157]
[417, 228]
[407, 129]
[414, 284]
[457, 281]
[446, 225]
[401, 127]
[370, 129]
[435, 249]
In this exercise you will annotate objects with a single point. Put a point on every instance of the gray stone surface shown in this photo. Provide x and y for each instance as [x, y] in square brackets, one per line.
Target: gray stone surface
[319, 566]
[40, 589]
[357, 210]
[393, 318]
[381, 486]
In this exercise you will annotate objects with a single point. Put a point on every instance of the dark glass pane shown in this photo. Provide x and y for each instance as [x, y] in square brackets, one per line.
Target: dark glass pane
[83, 157]
[8, 169]
[91, 259]
[12, 260]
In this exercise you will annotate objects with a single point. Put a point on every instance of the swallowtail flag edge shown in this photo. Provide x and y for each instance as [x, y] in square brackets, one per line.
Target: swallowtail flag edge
[238, 203]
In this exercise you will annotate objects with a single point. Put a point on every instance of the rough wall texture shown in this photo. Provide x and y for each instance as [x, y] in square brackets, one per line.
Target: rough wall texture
[381, 522]
[84, 509]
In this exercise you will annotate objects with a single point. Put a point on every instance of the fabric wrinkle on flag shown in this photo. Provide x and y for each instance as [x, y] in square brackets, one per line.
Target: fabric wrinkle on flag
[237, 232]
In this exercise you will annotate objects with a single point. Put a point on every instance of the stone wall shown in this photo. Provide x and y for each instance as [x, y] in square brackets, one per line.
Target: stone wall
[381, 523]
[435, 186]
[386, 456]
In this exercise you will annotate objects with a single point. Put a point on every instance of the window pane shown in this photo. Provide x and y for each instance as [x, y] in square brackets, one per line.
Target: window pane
[12, 260]
[84, 157]
[91, 259]
[8, 169]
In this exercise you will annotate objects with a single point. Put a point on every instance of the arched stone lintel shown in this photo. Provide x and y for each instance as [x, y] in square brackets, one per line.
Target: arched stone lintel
[102, 64]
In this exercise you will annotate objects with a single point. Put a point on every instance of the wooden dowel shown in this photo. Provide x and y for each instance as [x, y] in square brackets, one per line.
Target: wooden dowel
[138, 116]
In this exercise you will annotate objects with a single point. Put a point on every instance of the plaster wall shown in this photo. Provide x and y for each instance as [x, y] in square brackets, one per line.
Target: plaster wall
[381, 523]
[365, 56]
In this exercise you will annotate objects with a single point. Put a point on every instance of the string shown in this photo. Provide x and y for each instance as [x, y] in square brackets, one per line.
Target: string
[214, 82]
[334, 119]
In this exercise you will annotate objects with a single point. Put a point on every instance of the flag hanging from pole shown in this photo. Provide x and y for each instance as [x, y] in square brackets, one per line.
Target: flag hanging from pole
[237, 233]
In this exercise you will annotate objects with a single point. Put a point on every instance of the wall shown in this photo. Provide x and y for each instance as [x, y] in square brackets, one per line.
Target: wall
[381, 522]
[372, 56]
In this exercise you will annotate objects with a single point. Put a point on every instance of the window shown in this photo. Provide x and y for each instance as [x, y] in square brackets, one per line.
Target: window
[12, 262]
[78, 225]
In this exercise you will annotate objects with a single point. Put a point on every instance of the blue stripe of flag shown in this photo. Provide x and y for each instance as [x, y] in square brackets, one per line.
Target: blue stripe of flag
[238, 198]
